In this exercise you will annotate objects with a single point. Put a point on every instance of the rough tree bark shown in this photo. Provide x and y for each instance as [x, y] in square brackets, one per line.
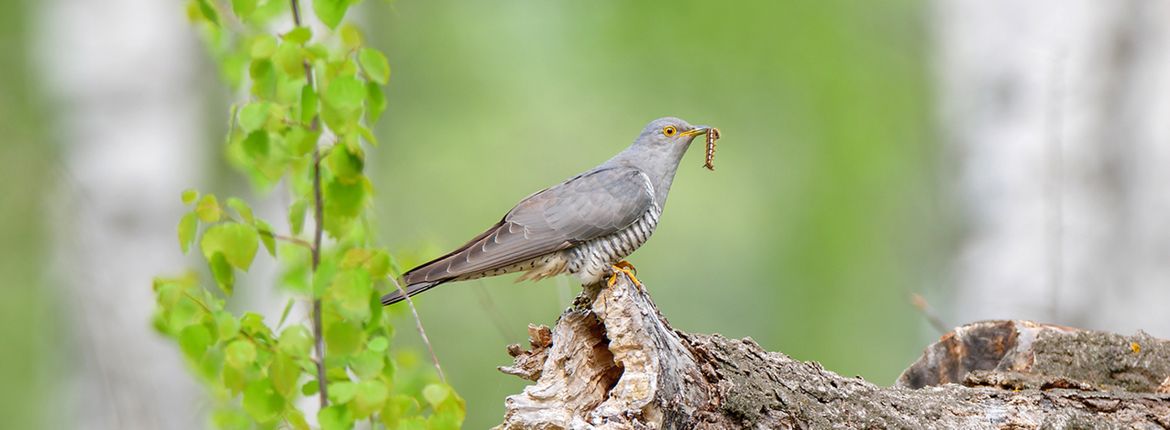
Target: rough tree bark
[613, 362]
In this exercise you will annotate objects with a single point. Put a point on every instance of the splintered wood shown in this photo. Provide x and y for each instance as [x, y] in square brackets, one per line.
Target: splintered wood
[712, 136]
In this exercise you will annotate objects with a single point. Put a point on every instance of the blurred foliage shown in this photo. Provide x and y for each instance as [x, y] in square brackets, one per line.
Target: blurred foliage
[807, 237]
[304, 123]
[29, 324]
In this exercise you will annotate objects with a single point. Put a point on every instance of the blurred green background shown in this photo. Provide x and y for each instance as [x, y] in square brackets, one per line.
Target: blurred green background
[808, 236]
[817, 223]
[27, 321]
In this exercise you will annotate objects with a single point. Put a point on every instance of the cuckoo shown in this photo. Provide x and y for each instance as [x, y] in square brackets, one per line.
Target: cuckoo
[584, 226]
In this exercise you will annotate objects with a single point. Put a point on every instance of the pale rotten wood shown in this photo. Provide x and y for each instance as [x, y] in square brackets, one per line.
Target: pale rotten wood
[613, 362]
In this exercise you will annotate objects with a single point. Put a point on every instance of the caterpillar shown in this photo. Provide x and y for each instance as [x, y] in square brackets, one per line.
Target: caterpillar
[712, 136]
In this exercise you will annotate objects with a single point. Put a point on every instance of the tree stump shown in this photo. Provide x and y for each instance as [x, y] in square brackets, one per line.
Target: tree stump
[613, 362]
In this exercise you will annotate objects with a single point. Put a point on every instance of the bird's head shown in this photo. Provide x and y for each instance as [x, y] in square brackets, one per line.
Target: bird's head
[658, 150]
[670, 132]
[663, 143]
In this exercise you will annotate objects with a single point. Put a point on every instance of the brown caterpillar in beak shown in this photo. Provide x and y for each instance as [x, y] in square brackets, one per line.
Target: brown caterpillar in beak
[712, 136]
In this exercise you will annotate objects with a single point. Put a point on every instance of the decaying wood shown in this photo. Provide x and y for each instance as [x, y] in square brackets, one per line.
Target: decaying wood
[613, 362]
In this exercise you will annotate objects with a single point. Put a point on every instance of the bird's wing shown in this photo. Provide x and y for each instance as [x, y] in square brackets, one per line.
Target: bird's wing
[590, 205]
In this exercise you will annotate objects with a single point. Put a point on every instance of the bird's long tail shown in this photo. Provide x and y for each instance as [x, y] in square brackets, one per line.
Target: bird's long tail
[412, 289]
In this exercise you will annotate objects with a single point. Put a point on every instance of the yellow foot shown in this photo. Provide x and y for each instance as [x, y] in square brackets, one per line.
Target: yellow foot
[624, 267]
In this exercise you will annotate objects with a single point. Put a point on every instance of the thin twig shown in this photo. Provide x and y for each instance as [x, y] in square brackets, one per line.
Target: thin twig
[289, 239]
[923, 306]
[318, 221]
[489, 306]
[198, 302]
[319, 216]
[421, 332]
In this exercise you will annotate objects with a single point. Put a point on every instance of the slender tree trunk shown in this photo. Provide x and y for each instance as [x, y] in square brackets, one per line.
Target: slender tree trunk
[127, 107]
[1055, 113]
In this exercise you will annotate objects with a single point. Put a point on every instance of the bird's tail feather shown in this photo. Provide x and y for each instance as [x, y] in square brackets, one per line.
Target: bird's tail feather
[412, 289]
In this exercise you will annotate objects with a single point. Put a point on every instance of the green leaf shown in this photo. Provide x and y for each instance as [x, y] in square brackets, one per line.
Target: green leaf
[261, 401]
[233, 379]
[240, 354]
[345, 200]
[253, 324]
[243, 8]
[194, 340]
[330, 12]
[368, 134]
[341, 121]
[378, 344]
[375, 64]
[284, 314]
[231, 419]
[345, 164]
[436, 393]
[263, 46]
[370, 397]
[266, 235]
[375, 101]
[295, 341]
[263, 75]
[449, 413]
[446, 418]
[296, 419]
[344, 93]
[310, 388]
[209, 11]
[253, 116]
[352, 290]
[355, 258]
[318, 51]
[284, 373]
[226, 325]
[298, 35]
[290, 59]
[187, 226]
[222, 271]
[401, 412]
[296, 216]
[323, 277]
[336, 417]
[342, 392]
[308, 104]
[367, 364]
[208, 208]
[208, 368]
[295, 260]
[256, 144]
[189, 195]
[241, 208]
[343, 338]
[300, 141]
[236, 242]
[351, 37]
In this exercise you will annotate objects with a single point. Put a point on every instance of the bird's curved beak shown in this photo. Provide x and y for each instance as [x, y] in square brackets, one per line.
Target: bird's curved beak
[698, 130]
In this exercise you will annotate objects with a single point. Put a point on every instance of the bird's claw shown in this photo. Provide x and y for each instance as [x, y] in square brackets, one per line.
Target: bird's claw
[623, 267]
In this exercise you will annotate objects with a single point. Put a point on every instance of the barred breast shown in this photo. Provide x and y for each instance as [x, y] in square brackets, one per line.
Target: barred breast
[591, 260]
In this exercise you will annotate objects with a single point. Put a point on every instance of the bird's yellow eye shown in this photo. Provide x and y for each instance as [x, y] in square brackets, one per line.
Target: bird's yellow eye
[669, 130]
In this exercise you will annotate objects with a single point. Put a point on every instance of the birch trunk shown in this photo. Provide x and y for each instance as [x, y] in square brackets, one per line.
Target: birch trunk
[1055, 114]
[128, 100]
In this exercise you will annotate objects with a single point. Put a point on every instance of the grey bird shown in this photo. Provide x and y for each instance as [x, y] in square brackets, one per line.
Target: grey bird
[583, 226]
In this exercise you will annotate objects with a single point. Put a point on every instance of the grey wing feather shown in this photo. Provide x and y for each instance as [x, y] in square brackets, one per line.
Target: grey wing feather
[590, 205]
